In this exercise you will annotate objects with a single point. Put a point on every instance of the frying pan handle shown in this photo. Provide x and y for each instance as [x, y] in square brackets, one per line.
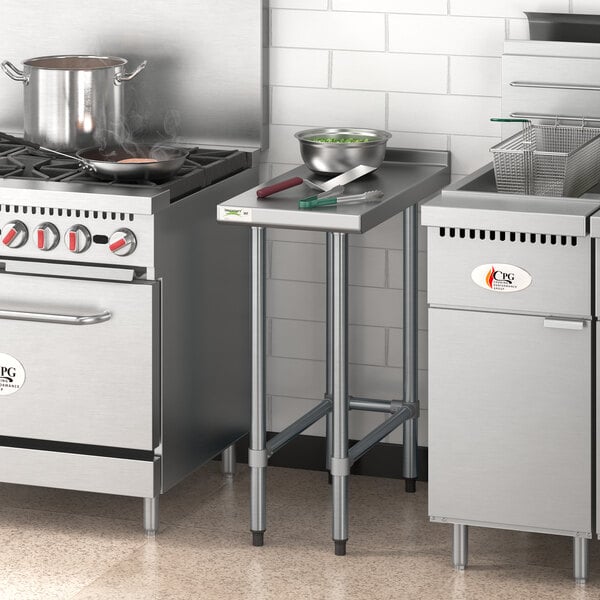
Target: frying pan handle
[14, 73]
[85, 165]
[121, 77]
[279, 187]
[20, 141]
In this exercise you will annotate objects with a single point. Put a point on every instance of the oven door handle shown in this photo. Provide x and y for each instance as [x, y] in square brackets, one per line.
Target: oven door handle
[17, 315]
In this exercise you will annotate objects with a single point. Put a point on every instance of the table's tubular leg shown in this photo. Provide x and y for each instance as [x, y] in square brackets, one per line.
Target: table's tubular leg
[329, 349]
[257, 454]
[298, 426]
[410, 325]
[460, 547]
[374, 405]
[580, 560]
[376, 435]
[340, 464]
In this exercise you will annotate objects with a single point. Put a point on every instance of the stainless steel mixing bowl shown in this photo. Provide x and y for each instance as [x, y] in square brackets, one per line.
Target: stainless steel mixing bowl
[336, 157]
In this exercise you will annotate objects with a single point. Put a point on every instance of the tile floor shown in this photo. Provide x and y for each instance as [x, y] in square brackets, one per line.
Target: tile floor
[61, 545]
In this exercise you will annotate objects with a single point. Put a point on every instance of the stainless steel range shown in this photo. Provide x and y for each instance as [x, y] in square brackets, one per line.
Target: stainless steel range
[124, 329]
[124, 307]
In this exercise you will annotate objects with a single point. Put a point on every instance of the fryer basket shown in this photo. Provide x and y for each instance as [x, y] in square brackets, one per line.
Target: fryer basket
[548, 160]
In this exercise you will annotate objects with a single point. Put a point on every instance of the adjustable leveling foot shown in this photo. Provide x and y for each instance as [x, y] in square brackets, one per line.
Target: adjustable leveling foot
[410, 485]
[258, 538]
[340, 547]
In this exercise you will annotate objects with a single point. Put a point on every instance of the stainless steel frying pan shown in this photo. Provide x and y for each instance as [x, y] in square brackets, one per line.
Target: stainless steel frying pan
[103, 163]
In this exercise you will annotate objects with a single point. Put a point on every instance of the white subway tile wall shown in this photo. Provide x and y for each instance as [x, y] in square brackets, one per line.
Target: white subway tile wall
[586, 6]
[439, 7]
[471, 152]
[505, 8]
[446, 35]
[475, 75]
[326, 29]
[428, 71]
[299, 68]
[424, 73]
[297, 105]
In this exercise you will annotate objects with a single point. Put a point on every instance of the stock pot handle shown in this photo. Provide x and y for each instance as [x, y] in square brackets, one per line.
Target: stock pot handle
[121, 77]
[18, 315]
[14, 73]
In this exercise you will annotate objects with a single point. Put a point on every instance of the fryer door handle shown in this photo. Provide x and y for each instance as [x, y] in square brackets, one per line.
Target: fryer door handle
[576, 325]
[17, 315]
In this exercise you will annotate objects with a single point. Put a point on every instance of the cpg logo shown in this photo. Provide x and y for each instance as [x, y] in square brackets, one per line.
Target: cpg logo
[8, 374]
[499, 277]
[12, 375]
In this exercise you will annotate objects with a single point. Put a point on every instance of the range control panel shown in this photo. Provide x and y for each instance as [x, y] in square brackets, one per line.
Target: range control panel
[77, 238]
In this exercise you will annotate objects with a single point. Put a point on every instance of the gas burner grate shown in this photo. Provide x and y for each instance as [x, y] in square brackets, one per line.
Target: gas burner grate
[202, 168]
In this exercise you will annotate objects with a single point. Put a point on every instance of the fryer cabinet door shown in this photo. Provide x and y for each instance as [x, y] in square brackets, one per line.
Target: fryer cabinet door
[92, 383]
[510, 421]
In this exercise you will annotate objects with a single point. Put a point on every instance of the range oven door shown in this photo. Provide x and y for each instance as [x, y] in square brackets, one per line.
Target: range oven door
[79, 361]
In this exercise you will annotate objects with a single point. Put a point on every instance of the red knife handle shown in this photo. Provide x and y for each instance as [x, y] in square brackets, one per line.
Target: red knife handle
[279, 187]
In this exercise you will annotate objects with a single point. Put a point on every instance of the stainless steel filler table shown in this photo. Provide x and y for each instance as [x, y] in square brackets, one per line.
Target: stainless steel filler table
[405, 177]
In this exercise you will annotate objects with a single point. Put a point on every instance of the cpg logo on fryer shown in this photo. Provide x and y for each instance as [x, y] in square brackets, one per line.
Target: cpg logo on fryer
[499, 277]
[12, 375]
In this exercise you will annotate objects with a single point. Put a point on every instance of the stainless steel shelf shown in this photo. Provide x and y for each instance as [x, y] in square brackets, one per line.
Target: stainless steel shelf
[405, 177]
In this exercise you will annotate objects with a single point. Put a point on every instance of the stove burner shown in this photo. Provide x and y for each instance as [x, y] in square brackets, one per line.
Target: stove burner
[202, 168]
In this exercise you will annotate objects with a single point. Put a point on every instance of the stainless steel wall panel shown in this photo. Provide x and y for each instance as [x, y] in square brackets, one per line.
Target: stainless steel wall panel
[206, 76]
[509, 421]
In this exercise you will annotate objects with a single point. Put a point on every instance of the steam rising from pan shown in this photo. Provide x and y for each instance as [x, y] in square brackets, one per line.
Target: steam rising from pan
[127, 150]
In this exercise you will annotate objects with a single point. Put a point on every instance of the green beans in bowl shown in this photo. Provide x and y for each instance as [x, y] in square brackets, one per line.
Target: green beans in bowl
[338, 149]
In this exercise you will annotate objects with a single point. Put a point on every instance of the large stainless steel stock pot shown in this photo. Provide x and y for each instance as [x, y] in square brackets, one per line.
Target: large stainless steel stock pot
[73, 102]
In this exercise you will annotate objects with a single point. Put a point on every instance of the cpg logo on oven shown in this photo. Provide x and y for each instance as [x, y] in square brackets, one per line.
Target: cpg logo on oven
[499, 277]
[12, 375]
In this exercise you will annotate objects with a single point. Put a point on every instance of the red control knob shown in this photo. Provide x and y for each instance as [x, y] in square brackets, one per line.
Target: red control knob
[77, 239]
[14, 234]
[122, 242]
[46, 236]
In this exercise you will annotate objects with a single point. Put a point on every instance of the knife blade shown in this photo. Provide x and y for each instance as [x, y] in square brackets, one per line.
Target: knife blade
[342, 179]
[322, 186]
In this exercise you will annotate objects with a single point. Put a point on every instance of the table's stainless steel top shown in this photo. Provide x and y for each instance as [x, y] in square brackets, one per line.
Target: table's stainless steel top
[405, 177]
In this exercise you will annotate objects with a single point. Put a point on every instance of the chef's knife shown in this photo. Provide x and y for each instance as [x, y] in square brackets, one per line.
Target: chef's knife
[323, 186]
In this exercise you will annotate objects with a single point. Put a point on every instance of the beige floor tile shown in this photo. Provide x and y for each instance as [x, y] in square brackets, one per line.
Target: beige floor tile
[204, 550]
[502, 547]
[188, 564]
[52, 556]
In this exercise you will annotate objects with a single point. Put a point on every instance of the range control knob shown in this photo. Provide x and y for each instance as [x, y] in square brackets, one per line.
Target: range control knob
[122, 242]
[46, 236]
[77, 239]
[14, 234]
